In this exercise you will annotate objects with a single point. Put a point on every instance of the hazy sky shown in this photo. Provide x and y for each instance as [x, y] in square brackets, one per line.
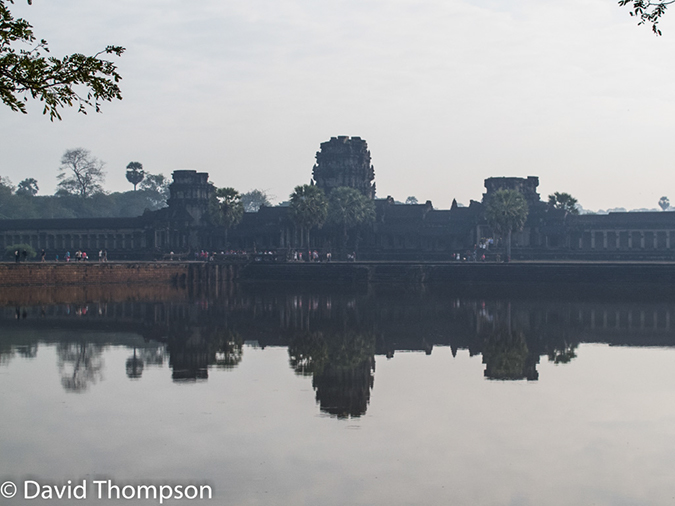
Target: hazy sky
[446, 93]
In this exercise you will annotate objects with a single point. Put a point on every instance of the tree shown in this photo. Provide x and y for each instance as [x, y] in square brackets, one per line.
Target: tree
[11, 248]
[6, 196]
[411, 200]
[28, 187]
[135, 173]
[80, 173]
[664, 203]
[231, 208]
[308, 208]
[348, 208]
[28, 73]
[254, 200]
[563, 201]
[506, 211]
[649, 12]
[157, 184]
[6, 186]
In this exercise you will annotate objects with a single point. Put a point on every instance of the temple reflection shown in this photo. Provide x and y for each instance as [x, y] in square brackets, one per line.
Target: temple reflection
[341, 364]
[332, 335]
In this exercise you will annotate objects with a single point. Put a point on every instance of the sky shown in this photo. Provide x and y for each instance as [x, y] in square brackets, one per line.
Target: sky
[445, 92]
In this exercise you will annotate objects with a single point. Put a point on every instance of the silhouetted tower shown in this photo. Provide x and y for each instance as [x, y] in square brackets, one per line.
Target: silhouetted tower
[528, 187]
[344, 161]
[190, 191]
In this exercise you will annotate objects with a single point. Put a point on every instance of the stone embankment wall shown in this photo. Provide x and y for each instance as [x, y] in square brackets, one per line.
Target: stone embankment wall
[662, 273]
[35, 273]
[193, 274]
[65, 274]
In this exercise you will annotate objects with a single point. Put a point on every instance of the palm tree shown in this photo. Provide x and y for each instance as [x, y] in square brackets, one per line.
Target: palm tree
[505, 212]
[308, 208]
[348, 208]
[135, 173]
[664, 203]
[230, 206]
[564, 201]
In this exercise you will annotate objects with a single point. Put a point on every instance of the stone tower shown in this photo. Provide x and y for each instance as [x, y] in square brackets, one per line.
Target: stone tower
[190, 191]
[344, 161]
[528, 187]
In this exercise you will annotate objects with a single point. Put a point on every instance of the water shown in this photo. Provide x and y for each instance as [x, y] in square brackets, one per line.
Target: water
[318, 395]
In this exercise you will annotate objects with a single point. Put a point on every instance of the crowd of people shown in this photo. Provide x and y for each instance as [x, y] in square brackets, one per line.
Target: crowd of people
[261, 256]
[79, 256]
[311, 256]
[476, 254]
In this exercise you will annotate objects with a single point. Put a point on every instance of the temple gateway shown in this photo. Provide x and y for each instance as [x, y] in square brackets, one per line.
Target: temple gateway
[399, 231]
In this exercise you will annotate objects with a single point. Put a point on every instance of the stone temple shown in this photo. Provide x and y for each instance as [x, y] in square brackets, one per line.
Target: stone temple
[344, 161]
[399, 232]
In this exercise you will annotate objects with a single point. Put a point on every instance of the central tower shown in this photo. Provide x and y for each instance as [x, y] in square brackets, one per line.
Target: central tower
[344, 161]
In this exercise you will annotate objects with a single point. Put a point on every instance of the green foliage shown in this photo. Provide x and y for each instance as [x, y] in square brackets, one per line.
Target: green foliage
[80, 173]
[564, 201]
[411, 200]
[231, 208]
[664, 203]
[505, 354]
[254, 200]
[135, 173]
[100, 205]
[28, 72]
[506, 211]
[308, 207]
[6, 186]
[348, 208]
[9, 250]
[28, 187]
[157, 185]
[647, 12]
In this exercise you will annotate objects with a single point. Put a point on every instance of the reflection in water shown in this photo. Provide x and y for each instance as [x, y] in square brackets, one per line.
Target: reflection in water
[332, 335]
[193, 349]
[152, 356]
[342, 365]
[134, 366]
[507, 357]
[80, 365]
[506, 354]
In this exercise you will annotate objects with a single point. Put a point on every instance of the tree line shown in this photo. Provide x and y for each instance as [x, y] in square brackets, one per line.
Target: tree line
[80, 193]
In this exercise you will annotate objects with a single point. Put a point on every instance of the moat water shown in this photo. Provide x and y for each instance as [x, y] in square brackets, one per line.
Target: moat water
[307, 395]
